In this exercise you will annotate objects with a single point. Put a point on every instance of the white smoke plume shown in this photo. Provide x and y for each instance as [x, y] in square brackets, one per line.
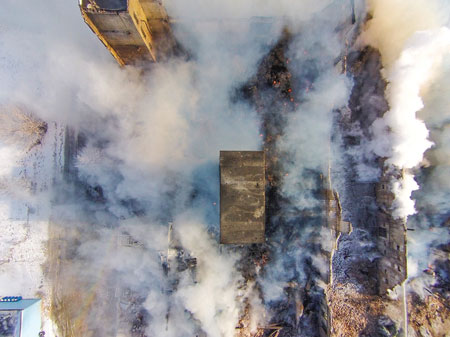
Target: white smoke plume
[148, 139]
[152, 140]
[392, 23]
[433, 197]
[219, 311]
[152, 143]
[400, 135]
[414, 69]
[414, 40]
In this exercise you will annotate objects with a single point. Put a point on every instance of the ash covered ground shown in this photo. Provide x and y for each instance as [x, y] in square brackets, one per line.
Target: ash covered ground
[118, 202]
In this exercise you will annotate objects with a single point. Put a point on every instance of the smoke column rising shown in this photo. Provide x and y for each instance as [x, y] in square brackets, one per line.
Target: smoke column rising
[414, 40]
[400, 135]
[432, 198]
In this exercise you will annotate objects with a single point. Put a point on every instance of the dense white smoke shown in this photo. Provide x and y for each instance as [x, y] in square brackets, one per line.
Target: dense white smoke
[393, 22]
[433, 197]
[408, 139]
[414, 40]
[149, 137]
[300, 244]
[217, 278]
[400, 136]
[152, 143]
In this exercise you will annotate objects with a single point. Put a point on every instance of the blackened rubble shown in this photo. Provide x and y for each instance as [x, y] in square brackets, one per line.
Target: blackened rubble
[433, 219]
[356, 263]
[366, 103]
[358, 196]
[275, 93]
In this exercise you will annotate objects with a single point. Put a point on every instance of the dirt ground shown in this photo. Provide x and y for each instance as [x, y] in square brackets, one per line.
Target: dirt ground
[68, 302]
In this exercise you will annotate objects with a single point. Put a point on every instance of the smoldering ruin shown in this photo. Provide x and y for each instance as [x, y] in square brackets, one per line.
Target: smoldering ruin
[233, 170]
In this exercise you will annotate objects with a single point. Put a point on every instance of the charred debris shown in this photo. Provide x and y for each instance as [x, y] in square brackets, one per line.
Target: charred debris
[274, 93]
[314, 300]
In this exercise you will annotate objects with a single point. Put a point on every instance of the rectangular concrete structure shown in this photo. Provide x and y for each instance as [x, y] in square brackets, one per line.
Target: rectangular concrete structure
[242, 197]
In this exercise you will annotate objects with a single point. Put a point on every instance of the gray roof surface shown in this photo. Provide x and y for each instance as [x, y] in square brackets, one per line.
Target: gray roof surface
[242, 197]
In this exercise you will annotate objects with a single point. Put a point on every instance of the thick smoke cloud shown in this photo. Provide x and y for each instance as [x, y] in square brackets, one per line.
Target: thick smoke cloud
[432, 198]
[149, 144]
[152, 144]
[392, 23]
[213, 10]
[220, 306]
[415, 56]
[414, 69]
[404, 136]
[300, 243]
[146, 138]
[412, 58]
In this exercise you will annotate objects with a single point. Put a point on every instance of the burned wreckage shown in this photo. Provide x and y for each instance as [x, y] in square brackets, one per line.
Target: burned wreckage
[256, 219]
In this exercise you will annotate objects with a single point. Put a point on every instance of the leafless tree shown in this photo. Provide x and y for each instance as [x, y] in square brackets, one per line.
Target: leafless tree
[21, 127]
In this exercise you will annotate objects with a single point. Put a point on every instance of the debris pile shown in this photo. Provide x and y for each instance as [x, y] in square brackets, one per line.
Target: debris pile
[131, 311]
[276, 94]
[352, 312]
[429, 316]
[355, 262]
